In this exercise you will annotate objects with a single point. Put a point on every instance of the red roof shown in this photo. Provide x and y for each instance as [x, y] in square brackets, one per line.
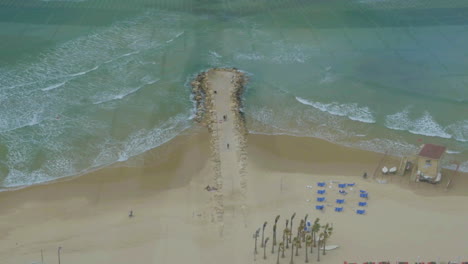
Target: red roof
[432, 151]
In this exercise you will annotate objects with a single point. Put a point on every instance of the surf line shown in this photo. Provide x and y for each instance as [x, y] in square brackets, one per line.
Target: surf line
[217, 93]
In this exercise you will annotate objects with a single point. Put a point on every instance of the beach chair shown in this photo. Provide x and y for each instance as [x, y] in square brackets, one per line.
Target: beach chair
[362, 191]
[319, 207]
[342, 185]
[321, 184]
[369, 262]
[321, 199]
[402, 262]
[338, 209]
[362, 203]
[321, 192]
[364, 195]
[384, 262]
[340, 201]
[351, 184]
[361, 212]
[343, 192]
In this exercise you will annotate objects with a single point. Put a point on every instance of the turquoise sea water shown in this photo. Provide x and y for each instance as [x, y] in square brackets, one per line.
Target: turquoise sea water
[84, 84]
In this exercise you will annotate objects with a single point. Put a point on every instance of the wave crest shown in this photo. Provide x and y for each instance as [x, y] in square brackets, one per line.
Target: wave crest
[352, 111]
[424, 125]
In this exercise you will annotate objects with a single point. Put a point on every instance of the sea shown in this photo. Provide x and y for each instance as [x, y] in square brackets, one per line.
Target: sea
[91, 83]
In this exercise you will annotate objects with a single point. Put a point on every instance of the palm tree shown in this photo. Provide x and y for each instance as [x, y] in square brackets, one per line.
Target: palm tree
[300, 228]
[327, 233]
[286, 233]
[255, 236]
[287, 238]
[58, 253]
[273, 243]
[315, 230]
[280, 248]
[320, 241]
[292, 251]
[292, 218]
[263, 231]
[298, 245]
[305, 224]
[264, 248]
[274, 234]
[308, 243]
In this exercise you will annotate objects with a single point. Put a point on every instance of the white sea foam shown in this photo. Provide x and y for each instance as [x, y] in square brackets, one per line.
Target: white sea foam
[249, 56]
[118, 96]
[214, 53]
[123, 56]
[53, 86]
[176, 37]
[111, 151]
[353, 111]
[448, 151]
[141, 141]
[459, 130]
[83, 72]
[424, 125]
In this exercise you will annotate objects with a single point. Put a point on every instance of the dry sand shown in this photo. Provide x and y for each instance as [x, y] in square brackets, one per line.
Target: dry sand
[88, 215]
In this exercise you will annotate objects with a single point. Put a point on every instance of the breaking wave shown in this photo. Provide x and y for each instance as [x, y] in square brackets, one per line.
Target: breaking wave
[424, 125]
[351, 111]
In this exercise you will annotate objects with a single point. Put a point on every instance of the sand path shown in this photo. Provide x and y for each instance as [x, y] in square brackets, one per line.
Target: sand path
[228, 144]
[227, 131]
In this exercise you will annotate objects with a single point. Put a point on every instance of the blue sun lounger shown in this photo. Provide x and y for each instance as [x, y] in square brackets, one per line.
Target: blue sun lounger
[363, 195]
[362, 191]
[342, 185]
[321, 184]
[319, 207]
[361, 212]
[351, 184]
[321, 192]
[338, 209]
[362, 203]
[320, 199]
[339, 201]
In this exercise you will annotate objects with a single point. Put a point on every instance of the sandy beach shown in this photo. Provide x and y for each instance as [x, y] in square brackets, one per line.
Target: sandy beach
[174, 219]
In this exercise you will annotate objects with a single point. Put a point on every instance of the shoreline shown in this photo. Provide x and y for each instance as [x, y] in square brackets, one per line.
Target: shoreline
[197, 129]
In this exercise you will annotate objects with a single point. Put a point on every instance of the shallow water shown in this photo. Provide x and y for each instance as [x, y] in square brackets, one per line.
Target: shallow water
[85, 84]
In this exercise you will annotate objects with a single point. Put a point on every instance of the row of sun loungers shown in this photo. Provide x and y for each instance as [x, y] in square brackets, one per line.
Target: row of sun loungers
[340, 209]
[362, 194]
[340, 185]
[340, 201]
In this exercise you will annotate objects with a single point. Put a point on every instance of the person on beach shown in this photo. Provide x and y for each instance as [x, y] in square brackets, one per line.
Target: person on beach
[209, 188]
[228, 145]
[130, 215]
[215, 91]
[364, 175]
[224, 117]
